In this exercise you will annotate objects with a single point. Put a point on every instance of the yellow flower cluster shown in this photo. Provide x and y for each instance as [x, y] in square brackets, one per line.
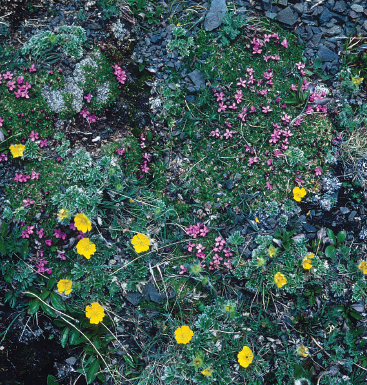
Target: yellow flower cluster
[306, 262]
[65, 286]
[299, 193]
[245, 357]
[280, 279]
[82, 223]
[17, 150]
[183, 334]
[140, 242]
[86, 248]
[363, 267]
[95, 313]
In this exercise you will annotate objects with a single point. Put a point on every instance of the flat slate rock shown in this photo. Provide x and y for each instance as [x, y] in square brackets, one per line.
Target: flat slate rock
[325, 54]
[217, 11]
[197, 78]
[287, 16]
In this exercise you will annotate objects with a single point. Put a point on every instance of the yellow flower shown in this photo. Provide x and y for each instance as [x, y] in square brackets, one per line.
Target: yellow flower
[245, 357]
[357, 80]
[299, 193]
[363, 267]
[62, 214]
[307, 263]
[140, 242]
[17, 150]
[82, 223]
[302, 351]
[272, 251]
[279, 279]
[178, 24]
[86, 248]
[207, 372]
[131, 200]
[183, 334]
[257, 220]
[95, 312]
[64, 286]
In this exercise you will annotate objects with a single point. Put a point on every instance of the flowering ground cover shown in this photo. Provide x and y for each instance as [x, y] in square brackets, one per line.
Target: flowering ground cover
[183, 258]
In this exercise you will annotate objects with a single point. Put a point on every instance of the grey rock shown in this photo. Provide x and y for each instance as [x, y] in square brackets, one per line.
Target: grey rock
[287, 16]
[229, 184]
[326, 55]
[271, 15]
[357, 8]
[282, 2]
[214, 17]
[190, 98]
[353, 14]
[237, 177]
[151, 293]
[299, 8]
[344, 210]
[325, 16]
[300, 30]
[352, 215]
[155, 39]
[309, 228]
[333, 31]
[316, 39]
[71, 361]
[340, 6]
[134, 297]
[198, 79]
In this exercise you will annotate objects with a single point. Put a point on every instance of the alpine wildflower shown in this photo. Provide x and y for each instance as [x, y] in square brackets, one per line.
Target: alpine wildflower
[82, 222]
[306, 262]
[207, 372]
[183, 334]
[65, 286]
[363, 267]
[302, 351]
[245, 357]
[140, 242]
[280, 279]
[62, 214]
[299, 193]
[17, 150]
[86, 248]
[95, 313]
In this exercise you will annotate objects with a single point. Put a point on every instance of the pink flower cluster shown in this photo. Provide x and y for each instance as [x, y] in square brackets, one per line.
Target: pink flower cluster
[90, 117]
[59, 234]
[3, 157]
[27, 232]
[120, 74]
[197, 230]
[28, 202]
[41, 267]
[23, 88]
[21, 178]
[146, 159]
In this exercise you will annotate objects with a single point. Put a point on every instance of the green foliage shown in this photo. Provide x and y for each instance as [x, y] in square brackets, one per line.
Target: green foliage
[231, 28]
[182, 42]
[68, 39]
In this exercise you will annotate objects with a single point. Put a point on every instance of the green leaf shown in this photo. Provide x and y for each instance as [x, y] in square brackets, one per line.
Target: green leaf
[128, 360]
[92, 371]
[33, 306]
[341, 237]
[73, 337]
[2, 246]
[51, 380]
[355, 314]
[4, 228]
[331, 235]
[64, 336]
[45, 294]
[57, 302]
[48, 310]
[50, 283]
[330, 251]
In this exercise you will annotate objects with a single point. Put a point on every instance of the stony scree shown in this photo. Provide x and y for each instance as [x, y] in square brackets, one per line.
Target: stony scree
[214, 17]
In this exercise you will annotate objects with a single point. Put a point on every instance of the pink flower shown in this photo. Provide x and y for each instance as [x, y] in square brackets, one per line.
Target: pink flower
[269, 186]
[267, 38]
[284, 43]
[242, 83]
[275, 35]
[266, 109]
[302, 72]
[20, 80]
[48, 242]
[1, 121]
[215, 133]
[3, 157]
[294, 87]
[286, 119]
[40, 233]
[32, 68]
[250, 71]
[18, 177]
[145, 168]
[200, 247]
[43, 143]
[33, 136]
[256, 49]
[201, 255]
[309, 110]
[8, 75]
[18, 94]
[252, 109]
[299, 181]
[300, 65]
[233, 106]
[35, 175]
[219, 96]
[297, 122]
[92, 118]
[88, 98]
[276, 57]
[278, 153]
[183, 269]
[228, 134]
[11, 85]
[318, 171]
[222, 107]
[253, 160]
[190, 246]
[28, 202]
[85, 113]
[269, 162]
